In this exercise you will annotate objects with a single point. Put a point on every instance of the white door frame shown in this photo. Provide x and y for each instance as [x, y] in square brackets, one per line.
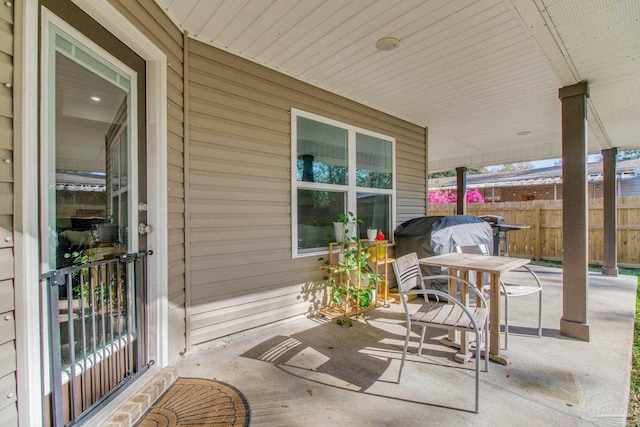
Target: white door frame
[29, 381]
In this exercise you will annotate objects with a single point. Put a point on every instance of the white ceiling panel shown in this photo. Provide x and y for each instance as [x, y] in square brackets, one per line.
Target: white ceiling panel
[475, 72]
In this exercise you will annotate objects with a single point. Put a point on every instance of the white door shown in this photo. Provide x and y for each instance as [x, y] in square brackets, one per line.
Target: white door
[93, 191]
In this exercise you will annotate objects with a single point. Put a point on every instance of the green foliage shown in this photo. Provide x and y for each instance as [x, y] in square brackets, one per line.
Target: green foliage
[470, 171]
[345, 219]
[81, 277]
[628, 154]
[512, 167]
[355, 281]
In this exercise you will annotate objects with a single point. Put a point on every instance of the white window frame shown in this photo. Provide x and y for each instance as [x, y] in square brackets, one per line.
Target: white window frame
[351, 189]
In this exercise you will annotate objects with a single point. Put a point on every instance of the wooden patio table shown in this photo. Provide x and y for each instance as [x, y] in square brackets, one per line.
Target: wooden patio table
[459, 265]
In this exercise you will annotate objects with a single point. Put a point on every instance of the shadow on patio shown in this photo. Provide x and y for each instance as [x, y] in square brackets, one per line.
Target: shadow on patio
[314, 372]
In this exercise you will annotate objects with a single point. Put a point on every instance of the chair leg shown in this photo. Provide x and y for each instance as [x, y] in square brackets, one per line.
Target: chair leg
[422, 334]
[486, 346]
[404, 351]
[478, 351]
[540, 314]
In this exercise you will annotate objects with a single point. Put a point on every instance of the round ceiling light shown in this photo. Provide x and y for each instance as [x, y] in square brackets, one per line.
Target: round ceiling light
[386, 44]
[523, 132]
[95, 98]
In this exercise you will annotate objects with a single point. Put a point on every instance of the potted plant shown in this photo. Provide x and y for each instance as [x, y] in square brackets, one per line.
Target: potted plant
[372, 233]
[346, 227]
[351, 280]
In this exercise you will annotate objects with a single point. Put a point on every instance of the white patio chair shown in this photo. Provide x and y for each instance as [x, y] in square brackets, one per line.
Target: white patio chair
[510, 289]
[437, 314]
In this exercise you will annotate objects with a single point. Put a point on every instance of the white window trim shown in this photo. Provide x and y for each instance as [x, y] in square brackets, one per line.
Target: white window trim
[351, 188]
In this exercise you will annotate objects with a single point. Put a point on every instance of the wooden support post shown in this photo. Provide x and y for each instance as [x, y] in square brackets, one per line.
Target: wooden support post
[461, 205]
[574, 212]
[609, 214]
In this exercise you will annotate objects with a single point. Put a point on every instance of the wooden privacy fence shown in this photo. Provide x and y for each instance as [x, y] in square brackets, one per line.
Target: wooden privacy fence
[543, 240]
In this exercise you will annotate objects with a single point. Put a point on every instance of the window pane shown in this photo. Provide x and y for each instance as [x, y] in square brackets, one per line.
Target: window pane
[374, 162]
[316, 212]
[322, 152]
[86, 164]
[375, 212]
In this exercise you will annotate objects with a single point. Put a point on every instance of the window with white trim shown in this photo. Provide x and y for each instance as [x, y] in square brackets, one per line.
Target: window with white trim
[338, 168]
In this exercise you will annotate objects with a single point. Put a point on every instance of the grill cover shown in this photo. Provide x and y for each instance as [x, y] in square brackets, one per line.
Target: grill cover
[435, 235]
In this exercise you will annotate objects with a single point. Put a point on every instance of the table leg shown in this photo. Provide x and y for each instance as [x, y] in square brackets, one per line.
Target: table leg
[452, 338]
[455, 339]
[494, 321]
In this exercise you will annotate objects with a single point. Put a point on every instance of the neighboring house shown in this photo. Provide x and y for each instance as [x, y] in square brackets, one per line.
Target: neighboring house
[211, 174]
[542, 183]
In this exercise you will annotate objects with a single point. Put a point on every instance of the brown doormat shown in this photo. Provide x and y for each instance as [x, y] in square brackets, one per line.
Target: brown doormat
[198, 402]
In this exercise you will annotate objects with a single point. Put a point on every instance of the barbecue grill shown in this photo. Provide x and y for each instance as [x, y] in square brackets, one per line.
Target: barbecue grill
[436, 235]
[500, 230]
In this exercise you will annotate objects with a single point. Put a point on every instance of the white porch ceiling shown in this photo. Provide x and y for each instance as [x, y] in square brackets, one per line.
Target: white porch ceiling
[475, 72]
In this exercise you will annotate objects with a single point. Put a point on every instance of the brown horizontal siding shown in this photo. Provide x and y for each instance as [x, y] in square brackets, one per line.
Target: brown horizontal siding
[147, 16]
[9, 415]
[6, 68]
[239, 247]
[6, 37]
[6, 198]
[283, 87]
[6, 132]
[156, 26]
[231, 292]
[241, 269]
[208, 304]
[175, 142]
[251, 320]
[6, 14]
[176, 221]
[176, 270]
[7, 358]
[6, 296]
[235, 312]
[176, 253]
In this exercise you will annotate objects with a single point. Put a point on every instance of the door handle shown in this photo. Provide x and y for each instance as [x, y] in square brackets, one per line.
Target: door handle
[144, 228]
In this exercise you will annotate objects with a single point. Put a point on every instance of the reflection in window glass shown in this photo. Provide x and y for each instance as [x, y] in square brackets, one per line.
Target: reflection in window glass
[375, 212]
[91, 166]
[374, 162]
[338, 168]
[316, 212]
[321, 152]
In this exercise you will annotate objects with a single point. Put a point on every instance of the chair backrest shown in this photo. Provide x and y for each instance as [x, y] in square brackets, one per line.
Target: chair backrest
[407, 270]
[480, 249]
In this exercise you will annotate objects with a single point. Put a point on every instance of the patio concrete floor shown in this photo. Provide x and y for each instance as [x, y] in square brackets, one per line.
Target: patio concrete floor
[313, 372]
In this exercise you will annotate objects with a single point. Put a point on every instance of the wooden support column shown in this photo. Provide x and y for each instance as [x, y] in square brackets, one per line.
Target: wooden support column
[574, 212]
[610, 265]
[461, 206]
